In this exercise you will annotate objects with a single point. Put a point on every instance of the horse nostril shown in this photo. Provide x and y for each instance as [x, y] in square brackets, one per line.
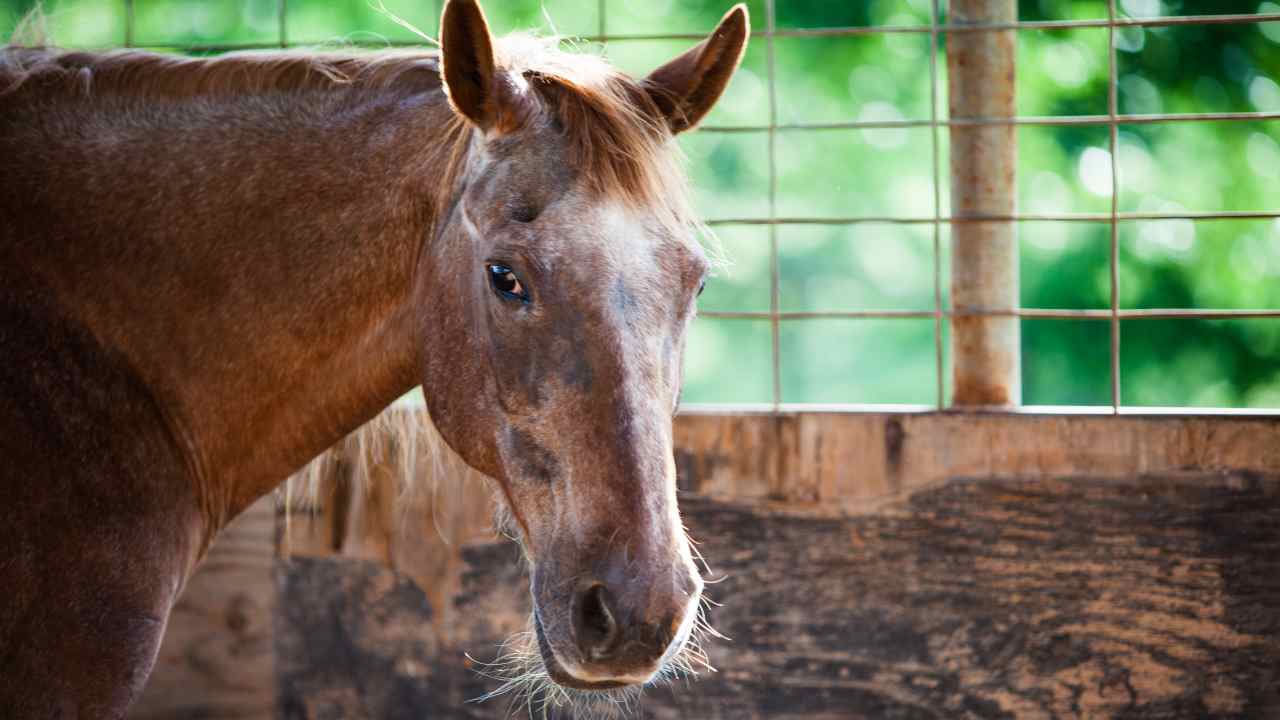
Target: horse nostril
[594, 624]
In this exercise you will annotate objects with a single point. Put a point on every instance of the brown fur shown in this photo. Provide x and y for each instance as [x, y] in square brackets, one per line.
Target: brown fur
[212, 270]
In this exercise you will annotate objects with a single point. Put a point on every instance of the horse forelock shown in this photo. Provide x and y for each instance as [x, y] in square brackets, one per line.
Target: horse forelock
[616, 136]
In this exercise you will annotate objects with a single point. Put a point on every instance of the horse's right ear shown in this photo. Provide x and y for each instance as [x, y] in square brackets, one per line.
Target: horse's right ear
[685, 88]
[466, 57]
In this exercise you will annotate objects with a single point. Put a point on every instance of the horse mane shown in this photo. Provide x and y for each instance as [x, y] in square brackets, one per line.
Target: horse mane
[148, 75]
[615, 134]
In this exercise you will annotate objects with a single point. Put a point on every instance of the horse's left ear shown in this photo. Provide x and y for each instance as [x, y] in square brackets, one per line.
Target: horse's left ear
[466, 57]
[686, 88]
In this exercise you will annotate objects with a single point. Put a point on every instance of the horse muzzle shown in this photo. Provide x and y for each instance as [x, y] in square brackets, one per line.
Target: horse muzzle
[620, 634]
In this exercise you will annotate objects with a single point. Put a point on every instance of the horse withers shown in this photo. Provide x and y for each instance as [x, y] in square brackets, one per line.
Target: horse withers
[213, 269]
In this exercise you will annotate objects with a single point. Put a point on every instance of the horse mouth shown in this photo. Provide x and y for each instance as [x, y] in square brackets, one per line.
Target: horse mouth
[558, 674]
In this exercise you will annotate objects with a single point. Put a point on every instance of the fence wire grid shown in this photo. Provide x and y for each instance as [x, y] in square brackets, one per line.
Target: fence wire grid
[940, 314]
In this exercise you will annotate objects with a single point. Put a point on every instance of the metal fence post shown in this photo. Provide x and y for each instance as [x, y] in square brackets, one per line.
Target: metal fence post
[984, 272]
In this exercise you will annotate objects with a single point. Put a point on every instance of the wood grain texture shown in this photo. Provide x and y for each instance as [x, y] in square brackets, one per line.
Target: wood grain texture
[217, 659]
[979, 598]
[358, 640]
[1062, 597]
[853, 463]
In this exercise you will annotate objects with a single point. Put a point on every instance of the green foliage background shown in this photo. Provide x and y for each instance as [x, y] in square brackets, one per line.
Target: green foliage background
[1197, 166]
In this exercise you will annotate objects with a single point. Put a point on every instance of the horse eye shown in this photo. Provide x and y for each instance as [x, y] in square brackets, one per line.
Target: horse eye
[506, 284]
[701, 286]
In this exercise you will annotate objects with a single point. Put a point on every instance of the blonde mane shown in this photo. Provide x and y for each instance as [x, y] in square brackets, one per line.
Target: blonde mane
[401, 439]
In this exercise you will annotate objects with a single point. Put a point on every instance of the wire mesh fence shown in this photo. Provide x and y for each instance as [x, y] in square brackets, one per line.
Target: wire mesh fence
[1113, 120]
[935, 122]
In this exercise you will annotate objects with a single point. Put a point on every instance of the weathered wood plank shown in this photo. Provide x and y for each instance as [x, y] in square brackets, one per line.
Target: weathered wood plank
[857, 462]
[1064, 597]
[358, 640]
[218, 659]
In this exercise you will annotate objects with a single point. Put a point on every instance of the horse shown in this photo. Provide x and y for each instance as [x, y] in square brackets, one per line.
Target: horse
[213, 269]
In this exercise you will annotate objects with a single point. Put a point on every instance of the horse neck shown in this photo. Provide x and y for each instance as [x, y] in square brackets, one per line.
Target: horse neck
[254, 260]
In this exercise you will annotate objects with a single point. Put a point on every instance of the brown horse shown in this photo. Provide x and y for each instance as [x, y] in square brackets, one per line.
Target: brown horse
[213, 269]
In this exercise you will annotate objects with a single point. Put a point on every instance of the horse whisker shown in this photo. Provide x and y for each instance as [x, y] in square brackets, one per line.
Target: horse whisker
[521, 675]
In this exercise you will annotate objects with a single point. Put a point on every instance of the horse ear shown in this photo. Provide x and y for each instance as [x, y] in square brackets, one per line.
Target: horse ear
[686, 88]
[466, 58]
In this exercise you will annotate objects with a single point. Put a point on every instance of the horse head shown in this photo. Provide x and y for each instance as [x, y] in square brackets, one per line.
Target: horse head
[557, 298]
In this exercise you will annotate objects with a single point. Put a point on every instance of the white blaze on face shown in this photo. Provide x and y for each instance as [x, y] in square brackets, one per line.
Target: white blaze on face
[641, 258]
[620, 272]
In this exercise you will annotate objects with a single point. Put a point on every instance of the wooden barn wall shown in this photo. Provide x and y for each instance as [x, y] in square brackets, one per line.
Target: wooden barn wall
[875, 565]
[218, 655]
